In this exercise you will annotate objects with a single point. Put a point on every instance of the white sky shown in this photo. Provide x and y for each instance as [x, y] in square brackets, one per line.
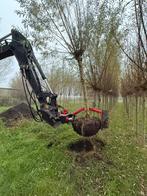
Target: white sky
[9, 19]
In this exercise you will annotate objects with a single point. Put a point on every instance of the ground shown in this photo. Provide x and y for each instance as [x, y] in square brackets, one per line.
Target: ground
[36, 159]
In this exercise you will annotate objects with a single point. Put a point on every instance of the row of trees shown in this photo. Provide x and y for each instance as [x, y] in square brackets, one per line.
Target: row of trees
[134, 77]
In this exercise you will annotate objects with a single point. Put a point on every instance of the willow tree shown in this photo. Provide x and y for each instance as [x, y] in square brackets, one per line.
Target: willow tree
[134, 82]
[64, 81]
[68, 23]
[103, 54]
[135, 42]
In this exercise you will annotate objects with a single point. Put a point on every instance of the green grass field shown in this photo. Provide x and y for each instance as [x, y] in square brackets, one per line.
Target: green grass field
[3, 108]
[29, 167]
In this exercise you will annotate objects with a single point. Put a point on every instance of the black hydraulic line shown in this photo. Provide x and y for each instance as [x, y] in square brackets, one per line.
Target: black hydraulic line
[26, 90]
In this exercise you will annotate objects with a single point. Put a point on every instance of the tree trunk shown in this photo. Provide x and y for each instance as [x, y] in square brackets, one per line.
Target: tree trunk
[136, 113]
[143, 117]
[95, 99]
[98, 99]
[81, 71]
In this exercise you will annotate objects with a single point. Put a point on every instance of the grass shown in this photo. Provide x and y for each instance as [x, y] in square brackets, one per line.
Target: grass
[29, 167]
[3, 108]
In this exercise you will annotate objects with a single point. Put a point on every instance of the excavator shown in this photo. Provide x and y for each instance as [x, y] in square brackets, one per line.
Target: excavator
[45, 100]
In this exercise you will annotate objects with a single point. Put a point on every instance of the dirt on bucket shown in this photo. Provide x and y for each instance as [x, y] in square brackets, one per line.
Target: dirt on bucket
[86, 126]
[14, 114]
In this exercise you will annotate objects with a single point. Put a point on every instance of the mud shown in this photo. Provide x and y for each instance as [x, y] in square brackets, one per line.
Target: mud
[81, 145]
[86, 126]
[86, 145]
[15, 114]
[86, 150]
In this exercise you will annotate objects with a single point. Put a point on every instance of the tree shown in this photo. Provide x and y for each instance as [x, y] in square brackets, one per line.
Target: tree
[16, 83]
[5, 69]
[103, 61]
[136, 39]
[64, 81]
[67, 22]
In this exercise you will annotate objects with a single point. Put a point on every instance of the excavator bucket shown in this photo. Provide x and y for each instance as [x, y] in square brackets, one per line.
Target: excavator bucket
[90, 126]
[86, 127]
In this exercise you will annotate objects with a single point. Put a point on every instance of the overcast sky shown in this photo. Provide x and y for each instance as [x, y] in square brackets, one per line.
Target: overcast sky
[8, 16]
[9, 19]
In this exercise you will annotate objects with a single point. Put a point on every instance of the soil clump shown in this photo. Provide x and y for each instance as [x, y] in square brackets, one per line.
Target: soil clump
[86, 126]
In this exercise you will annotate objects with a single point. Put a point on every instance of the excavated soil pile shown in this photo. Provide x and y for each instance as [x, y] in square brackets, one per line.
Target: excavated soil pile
[86, 126]
[13, 115]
